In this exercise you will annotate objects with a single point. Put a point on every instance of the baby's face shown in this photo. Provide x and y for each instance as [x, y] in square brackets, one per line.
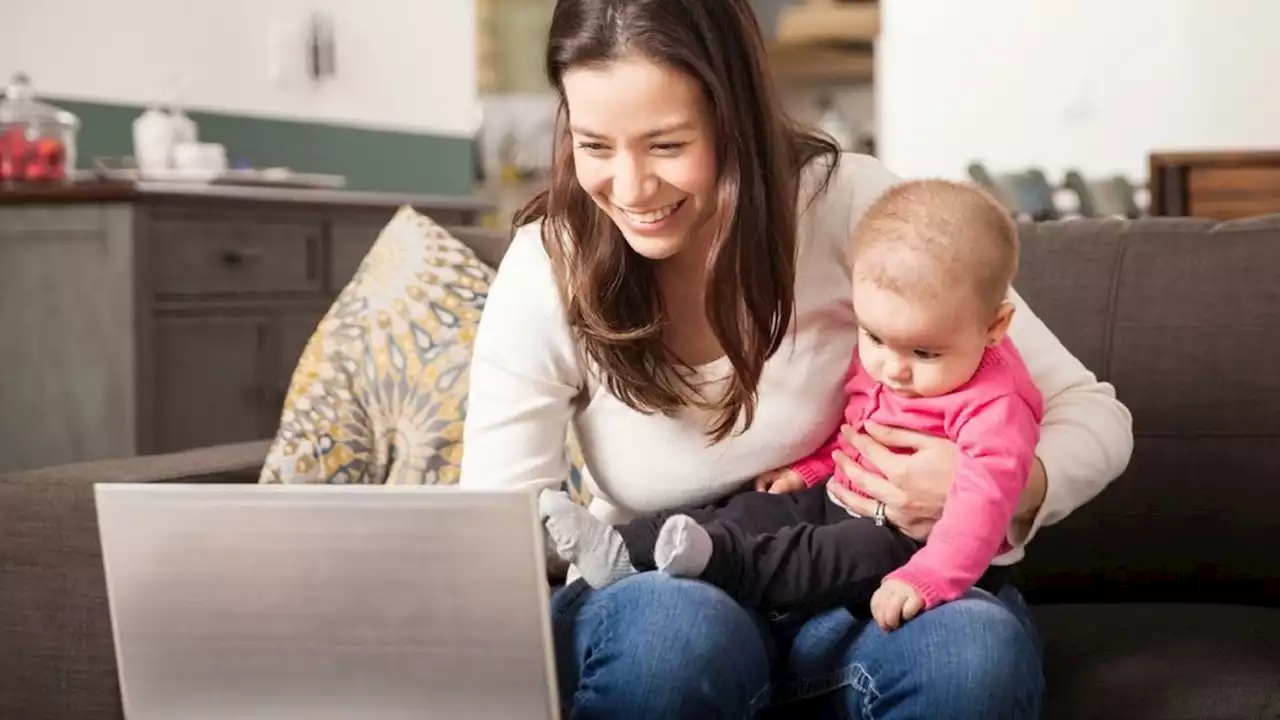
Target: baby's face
[916, 350]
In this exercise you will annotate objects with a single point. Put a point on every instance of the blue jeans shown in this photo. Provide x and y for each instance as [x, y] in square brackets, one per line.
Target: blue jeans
[652, 646]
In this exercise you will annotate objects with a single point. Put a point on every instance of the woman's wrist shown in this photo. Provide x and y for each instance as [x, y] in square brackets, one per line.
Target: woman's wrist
[1029, 503]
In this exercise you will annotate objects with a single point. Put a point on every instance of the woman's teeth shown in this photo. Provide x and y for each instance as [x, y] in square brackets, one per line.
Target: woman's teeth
[649, 218]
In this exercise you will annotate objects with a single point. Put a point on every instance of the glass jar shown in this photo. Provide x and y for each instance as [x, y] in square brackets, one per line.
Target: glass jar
[37, 140]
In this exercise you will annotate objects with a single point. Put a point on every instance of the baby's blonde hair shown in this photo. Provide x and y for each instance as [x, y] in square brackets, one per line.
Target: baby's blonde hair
[929, 239]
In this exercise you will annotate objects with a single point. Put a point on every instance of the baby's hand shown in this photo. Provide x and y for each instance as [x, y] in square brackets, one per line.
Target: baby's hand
[782, 480]
[894, 603]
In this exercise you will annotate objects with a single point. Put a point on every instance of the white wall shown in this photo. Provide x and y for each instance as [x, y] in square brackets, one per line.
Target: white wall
[401, 64]
[1089, 84]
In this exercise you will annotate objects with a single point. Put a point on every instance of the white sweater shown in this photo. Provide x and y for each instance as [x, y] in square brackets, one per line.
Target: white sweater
[529, 382]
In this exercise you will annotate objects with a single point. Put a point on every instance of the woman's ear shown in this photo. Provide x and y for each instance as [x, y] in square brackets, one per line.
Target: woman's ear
[1000, 325]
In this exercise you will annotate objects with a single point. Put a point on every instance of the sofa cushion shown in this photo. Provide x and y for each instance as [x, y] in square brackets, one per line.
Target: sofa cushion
[1182, 316]
[1169, 661]
[379, 393]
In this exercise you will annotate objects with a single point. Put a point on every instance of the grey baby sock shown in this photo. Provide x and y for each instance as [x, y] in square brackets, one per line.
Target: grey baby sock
[683, 548]
[581, 538]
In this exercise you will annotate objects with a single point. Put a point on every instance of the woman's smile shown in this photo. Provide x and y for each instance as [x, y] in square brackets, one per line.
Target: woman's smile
[651, 220]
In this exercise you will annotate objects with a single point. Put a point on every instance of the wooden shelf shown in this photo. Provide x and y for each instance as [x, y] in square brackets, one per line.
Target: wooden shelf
[848, 65]
[829, 21]
[826, 41]
[510, 42]
[817, 41]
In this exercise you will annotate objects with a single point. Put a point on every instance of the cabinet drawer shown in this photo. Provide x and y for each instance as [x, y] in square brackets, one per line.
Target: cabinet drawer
[214, 255]
[351, 243]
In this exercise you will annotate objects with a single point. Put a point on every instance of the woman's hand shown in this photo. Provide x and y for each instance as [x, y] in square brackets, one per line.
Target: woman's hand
[913, 485]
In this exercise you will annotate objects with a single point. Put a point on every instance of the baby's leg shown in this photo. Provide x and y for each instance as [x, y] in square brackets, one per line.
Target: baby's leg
[605, 554]
[750, 511]
[579, 537]
[807, 566]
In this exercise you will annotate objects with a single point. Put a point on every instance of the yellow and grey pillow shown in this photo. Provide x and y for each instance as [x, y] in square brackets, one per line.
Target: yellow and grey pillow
[380, 392]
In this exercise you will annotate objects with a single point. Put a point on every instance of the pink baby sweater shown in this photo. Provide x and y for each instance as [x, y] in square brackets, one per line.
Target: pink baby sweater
[994, 419]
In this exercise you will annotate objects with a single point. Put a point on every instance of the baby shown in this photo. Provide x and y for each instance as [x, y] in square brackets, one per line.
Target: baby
[932, 265]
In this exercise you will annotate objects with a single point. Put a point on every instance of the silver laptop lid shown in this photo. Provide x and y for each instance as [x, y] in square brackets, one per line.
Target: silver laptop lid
[327, 602]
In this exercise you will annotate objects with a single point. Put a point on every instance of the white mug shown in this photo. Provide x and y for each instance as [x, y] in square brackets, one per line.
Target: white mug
[207, 157]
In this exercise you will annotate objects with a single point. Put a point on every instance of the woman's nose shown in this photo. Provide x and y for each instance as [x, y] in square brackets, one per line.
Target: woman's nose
[631, 182]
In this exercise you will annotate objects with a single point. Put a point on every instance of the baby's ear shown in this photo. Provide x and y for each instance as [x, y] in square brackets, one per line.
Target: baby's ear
[1000, 325]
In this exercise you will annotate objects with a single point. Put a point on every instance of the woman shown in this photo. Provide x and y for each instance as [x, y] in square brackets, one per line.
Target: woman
[680, 295]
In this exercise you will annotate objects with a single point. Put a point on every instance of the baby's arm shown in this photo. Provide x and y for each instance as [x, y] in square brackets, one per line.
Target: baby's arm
[819, 465]
[997, 444]
[804, 473]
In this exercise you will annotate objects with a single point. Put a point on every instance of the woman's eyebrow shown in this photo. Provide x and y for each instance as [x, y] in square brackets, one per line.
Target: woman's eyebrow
[674, 127]
[678, 126]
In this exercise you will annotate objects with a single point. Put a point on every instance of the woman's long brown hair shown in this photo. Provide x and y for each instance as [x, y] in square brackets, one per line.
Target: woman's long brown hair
[610, 292]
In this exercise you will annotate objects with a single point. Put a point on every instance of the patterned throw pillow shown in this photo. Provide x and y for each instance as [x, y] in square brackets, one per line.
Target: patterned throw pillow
[380, 392]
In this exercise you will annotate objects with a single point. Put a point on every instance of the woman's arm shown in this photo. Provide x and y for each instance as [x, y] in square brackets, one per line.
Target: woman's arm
[1029, 503]
[524, 377]
[1086, 437]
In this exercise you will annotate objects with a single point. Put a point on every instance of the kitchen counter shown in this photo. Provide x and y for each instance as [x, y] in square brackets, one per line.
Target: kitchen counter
[97, 191]
[145, 318]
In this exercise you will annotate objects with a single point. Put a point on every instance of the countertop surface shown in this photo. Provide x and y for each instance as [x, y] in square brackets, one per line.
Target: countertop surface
[99, 191]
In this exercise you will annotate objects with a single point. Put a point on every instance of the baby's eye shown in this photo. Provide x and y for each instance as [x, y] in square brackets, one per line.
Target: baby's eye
[874, 340]
[926, 355]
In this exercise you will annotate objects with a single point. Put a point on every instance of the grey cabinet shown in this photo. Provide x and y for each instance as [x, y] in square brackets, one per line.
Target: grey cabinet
[136, 320]
[212, 383]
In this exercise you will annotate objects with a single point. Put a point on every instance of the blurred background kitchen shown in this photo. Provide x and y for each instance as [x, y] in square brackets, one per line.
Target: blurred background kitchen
[1061, 107]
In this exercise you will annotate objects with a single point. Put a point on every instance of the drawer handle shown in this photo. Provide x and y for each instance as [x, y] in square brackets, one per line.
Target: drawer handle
[233, 258]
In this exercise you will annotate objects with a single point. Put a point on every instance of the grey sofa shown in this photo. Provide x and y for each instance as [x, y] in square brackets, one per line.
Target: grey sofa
[1160, 599]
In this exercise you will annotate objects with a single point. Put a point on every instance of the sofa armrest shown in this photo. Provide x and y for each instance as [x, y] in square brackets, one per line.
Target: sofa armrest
[240, 462]
[59, 659]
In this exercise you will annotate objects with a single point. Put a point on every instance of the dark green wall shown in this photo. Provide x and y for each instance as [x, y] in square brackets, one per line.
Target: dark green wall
[380, 160]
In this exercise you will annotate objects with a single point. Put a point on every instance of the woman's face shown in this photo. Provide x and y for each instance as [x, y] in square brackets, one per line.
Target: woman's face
[644, 151]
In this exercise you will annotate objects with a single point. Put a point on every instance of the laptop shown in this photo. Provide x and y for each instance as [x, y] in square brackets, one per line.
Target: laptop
[323, 602]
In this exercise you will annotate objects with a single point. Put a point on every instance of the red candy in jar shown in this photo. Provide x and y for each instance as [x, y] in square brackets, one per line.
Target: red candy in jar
[37, 140]
[13, 150]
[48, 162]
